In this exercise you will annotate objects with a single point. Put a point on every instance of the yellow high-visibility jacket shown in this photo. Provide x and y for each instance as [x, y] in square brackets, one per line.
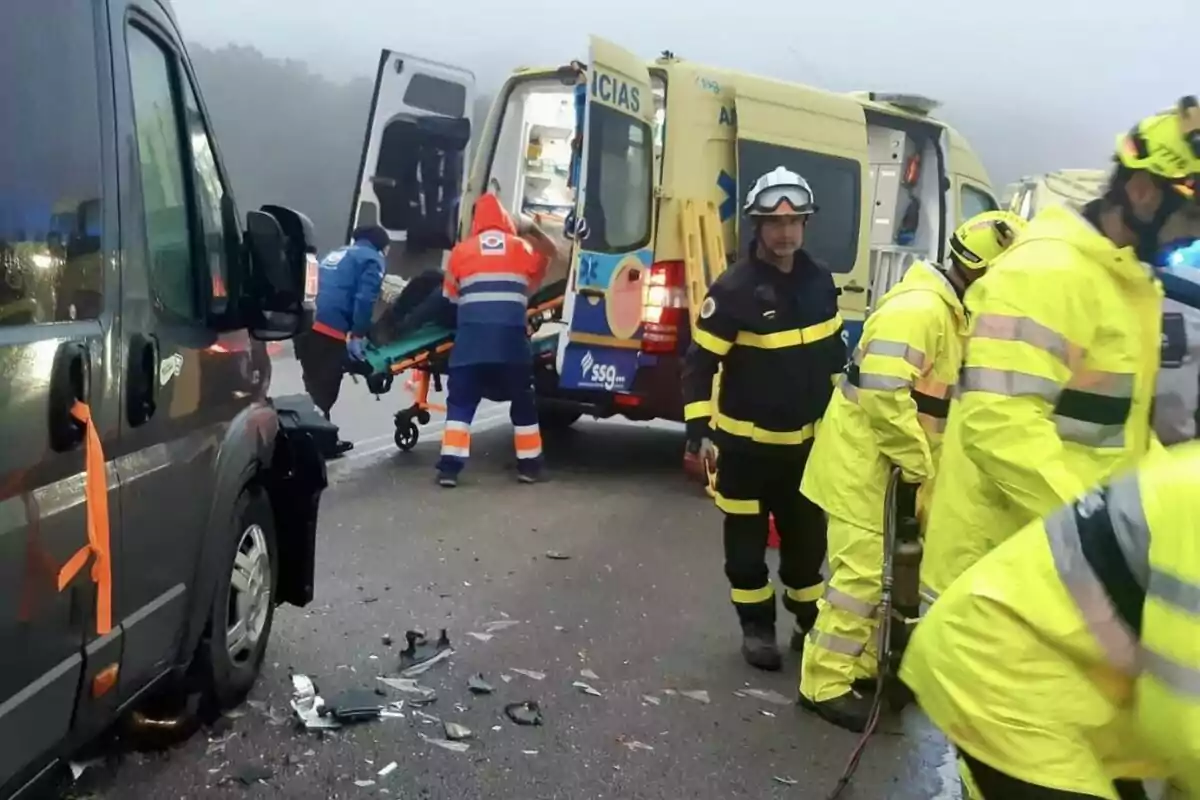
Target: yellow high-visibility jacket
[891, 406]
[1055, 392]
[1070, 655]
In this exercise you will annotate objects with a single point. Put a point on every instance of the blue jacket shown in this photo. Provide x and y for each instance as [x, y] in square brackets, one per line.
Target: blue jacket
[347, 288]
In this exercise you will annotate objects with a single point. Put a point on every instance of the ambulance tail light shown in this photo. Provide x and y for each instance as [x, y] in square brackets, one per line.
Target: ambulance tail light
[312, 270]
[664, 308]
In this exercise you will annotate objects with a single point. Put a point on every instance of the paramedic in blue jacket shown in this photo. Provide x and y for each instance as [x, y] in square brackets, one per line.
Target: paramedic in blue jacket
[348, 286]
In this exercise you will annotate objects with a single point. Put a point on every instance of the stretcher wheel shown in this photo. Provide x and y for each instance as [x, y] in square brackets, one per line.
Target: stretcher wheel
[406, 435]
[423, 417]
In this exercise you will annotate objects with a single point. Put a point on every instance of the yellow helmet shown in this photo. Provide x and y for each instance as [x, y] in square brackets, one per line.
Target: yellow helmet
[1166, 145]
[982, 238]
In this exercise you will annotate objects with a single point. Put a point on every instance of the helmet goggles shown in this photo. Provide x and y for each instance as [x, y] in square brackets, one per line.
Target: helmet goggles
[782, 201]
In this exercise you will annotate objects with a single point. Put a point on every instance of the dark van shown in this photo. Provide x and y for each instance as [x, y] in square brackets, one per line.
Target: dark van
[154, 508]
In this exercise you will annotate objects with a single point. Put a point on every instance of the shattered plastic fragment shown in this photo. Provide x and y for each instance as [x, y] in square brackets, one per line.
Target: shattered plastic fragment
[410, 686]
[500, 625]
[766, 713]
[556, 556]
[79, 767]
[633, 744]
[529, 673]
[456, 732]
[506, 678]
[483, 637]
[527, 713]
[651, 699]
[767, 695]
[446, 744]
[785, 781]
[393, 710]
[309, 706]
[355, 705]
[530, 752]
[699, 695]
[588, 675]
[478, 685]
[364, 784]
[586, 689]
[421, 668]
[388, 770]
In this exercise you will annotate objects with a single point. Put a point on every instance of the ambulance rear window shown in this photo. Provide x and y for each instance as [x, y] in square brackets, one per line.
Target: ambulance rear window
[618, 200]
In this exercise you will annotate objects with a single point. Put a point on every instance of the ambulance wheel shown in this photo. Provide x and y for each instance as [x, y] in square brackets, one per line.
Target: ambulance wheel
[407, 435]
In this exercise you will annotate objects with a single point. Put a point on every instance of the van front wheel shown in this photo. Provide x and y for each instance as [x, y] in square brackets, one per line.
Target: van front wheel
[243, 607]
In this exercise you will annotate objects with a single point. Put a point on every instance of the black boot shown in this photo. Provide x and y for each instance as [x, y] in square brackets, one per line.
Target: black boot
[851, 711]
[798, 636]
[759, 647]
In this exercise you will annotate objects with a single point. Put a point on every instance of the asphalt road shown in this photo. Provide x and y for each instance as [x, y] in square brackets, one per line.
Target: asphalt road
[636, 596]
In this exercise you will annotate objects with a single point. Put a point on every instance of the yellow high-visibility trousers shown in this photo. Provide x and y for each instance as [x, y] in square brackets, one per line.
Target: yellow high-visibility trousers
[842, 647]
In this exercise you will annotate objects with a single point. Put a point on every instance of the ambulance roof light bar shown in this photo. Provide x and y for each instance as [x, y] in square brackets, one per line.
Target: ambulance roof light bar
[914, 103]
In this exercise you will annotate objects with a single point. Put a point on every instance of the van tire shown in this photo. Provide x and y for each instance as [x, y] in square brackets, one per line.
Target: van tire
[227, 679]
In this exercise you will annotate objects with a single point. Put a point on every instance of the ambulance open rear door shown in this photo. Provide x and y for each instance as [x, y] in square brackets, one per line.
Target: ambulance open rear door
[615, 225]
[413, 167]
[822, 136]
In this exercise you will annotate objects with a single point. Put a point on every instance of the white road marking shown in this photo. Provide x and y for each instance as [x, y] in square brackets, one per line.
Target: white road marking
[948, 772]
[480, 423]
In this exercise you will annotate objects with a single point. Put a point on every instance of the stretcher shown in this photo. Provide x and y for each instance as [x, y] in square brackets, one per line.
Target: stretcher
[424, 355]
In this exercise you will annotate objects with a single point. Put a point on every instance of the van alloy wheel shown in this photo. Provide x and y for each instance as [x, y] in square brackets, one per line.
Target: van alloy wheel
[249, 594]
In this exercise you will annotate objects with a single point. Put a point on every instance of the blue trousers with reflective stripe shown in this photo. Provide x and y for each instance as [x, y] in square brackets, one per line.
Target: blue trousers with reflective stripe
[471, 384]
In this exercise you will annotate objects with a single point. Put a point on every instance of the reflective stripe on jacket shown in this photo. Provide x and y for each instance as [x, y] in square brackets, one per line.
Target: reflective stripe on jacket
[1055, 391]
[892, 404]
[777, 338]
[1077, 642]
[489, 277]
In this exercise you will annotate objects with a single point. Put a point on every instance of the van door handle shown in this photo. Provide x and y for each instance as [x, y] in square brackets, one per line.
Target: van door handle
[70, 382]
[853, 288]
[141, 390]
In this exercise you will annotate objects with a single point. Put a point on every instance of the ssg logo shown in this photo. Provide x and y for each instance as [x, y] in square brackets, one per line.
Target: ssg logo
[616, 92]
[591, 371]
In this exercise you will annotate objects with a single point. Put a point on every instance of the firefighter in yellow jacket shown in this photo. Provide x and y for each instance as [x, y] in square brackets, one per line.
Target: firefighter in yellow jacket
[890, 411]
[1069, 657]
[1056, 389]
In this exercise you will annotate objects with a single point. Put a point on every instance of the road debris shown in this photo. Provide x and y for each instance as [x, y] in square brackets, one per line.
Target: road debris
[478, 685]
[387, 640]
[355, 705]
[531, 752]
[554, 555]
[419, 655]
[426, 694]
[79, 767]
[527, 713]
[483, 637]
[766, 695]
[388, 770]
[393, 710]
[309, 706]
[587, 674]
[587, 689]
[529, 673]
[786, 781]
[633, 744]
[364, 784]
[500, 624]
[650, 699]
[446, 744]
[766, 713]
[249, 774]
[699, 695]
[428, 719]
[456, 732]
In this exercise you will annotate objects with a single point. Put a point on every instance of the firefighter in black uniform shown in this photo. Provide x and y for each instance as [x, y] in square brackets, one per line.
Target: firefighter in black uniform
[771, 324]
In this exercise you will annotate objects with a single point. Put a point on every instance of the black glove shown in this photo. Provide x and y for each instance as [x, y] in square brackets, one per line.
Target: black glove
[907, 526]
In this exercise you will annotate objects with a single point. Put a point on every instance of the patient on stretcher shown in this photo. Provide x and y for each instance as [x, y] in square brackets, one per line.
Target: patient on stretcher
[419, 303]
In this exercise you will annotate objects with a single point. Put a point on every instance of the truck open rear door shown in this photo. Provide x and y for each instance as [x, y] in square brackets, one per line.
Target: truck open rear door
[413, 165]
[823, 137]
[615, 208]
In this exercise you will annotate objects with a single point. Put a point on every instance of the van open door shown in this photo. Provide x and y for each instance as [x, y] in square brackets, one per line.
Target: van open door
[413, 166]
[823, 137]
[615, 225]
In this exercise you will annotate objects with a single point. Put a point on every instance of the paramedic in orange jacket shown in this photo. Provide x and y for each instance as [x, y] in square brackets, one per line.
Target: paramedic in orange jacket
[489, 279]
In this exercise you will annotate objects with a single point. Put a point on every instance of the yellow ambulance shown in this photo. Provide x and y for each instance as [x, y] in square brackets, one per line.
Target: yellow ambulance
[644, 183]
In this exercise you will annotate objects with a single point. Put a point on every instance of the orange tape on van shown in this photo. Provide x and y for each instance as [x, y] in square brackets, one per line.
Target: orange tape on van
[96, 497]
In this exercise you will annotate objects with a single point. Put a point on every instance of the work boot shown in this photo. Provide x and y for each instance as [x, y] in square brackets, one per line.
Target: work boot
[447, 479]
[530, 474]
[851, 711]
[759, 647]
[798, 637]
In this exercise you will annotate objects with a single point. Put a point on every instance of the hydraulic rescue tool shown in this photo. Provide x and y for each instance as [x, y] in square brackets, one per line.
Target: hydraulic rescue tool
[899, 609]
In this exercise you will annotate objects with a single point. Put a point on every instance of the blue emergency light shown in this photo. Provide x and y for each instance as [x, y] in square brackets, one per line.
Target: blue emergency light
[1178, 267]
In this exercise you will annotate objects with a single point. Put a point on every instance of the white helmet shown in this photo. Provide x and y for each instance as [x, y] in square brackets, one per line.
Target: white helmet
[780, 193]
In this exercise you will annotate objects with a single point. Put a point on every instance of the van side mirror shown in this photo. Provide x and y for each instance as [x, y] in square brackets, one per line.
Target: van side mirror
[278, 243]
